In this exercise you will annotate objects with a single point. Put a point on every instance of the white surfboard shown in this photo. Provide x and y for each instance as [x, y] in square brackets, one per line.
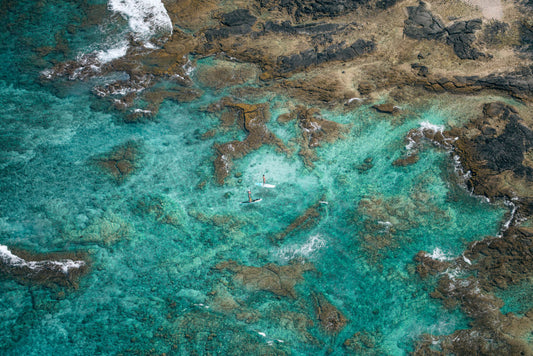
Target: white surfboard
[251, 202]
[265, 185]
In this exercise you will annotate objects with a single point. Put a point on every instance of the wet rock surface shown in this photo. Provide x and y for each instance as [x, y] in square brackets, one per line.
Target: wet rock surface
[53, 270]
[492, 148]
[330, 318]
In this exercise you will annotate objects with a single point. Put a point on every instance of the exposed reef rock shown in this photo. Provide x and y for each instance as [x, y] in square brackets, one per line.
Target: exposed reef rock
[252, 119]
[312, 57]
[323, 8]
[422, 24]
[279, 280]
[238, 22]
[314, 130]
[491, 333]
[308, 219]
[330, 318]
[224, 74]
[518, 84]
[492, 148]
[428, 265]
[386, 108]
[312, 28]
[503, 261]
[54, 269]
[122, 161]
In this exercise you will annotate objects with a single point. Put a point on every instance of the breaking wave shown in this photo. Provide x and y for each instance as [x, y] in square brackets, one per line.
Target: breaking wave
[13, 260]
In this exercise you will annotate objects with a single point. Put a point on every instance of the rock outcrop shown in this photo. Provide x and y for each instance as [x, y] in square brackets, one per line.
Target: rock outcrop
[313, 57]
[54, 269]
[423, 24]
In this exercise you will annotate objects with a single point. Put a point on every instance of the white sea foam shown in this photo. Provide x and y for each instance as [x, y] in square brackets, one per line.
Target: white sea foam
[439, 255]
[425, 125]
[313, 243]
[146, 18]
[108, 55]
[11, 259]
[506, 225]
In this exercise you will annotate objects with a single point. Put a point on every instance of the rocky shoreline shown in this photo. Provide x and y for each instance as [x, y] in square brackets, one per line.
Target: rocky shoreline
[337, 54]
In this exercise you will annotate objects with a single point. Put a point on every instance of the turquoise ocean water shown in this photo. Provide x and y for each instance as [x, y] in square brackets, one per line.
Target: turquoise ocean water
[150, 287]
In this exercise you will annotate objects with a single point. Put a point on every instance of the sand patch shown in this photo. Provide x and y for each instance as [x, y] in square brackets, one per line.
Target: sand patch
[491, 9]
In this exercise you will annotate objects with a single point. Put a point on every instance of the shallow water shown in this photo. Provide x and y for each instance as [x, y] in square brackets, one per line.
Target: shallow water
[149, 289]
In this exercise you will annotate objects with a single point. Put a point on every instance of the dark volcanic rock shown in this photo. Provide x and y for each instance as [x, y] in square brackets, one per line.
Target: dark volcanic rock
[238, 22]
[62, 269]
[238, 18]
[323, 8]
[422, 24]
[506, 151]
[461, 35]
[307, 29]
[312, 57]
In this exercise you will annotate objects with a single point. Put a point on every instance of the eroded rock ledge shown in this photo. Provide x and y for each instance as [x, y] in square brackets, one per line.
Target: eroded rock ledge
[494, 149]
[54, 269]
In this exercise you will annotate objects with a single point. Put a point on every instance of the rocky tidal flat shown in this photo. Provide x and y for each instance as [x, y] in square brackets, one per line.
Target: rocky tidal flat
[395, 138]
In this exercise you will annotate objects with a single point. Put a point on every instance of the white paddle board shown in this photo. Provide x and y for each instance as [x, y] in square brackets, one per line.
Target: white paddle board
[265, 185]
[252, 202]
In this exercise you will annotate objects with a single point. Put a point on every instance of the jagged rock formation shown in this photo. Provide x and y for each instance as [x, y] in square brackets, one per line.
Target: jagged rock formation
[323, 8]
[312, 57]
[422, 24]
[54, 269]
